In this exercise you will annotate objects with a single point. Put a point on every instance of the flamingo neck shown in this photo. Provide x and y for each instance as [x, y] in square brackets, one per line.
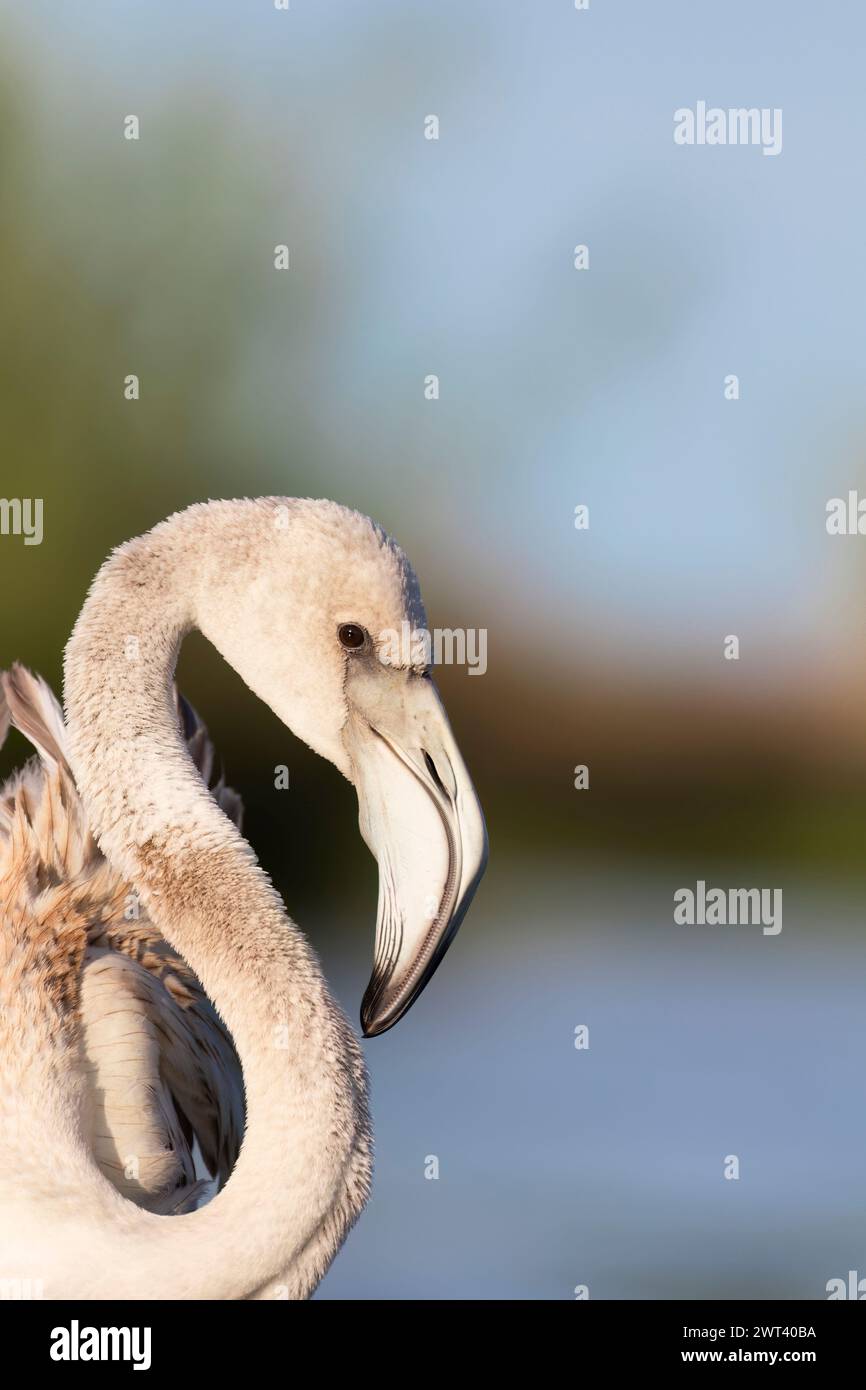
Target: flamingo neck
[156, 823]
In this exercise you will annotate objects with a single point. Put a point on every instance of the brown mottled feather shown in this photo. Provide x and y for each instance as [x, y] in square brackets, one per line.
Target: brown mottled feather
[4, 717]
[87, 969]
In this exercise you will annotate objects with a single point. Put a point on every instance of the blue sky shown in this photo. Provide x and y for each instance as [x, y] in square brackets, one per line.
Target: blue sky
[455, 257]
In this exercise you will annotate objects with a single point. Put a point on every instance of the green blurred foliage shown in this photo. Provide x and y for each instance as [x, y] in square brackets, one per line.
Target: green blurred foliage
[123, 259]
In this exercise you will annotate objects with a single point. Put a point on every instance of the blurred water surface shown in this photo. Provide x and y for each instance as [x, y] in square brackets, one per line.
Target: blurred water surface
[604, 1166]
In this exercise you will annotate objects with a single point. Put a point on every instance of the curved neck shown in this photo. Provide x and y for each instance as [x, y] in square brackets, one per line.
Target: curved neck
[156, 823]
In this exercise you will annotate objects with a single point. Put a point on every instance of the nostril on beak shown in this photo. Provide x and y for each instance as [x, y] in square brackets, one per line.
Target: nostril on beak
[431, 768]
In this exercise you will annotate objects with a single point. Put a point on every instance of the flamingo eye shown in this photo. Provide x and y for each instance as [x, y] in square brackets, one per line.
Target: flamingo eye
[352, 635]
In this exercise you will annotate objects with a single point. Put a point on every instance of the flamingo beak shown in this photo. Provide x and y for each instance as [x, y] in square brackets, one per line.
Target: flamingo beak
[419, 815]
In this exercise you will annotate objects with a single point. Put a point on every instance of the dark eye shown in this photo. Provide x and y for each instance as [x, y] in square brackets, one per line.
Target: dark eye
[351, 635]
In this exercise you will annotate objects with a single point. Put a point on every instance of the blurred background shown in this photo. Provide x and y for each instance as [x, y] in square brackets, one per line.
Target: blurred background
[557, 1167]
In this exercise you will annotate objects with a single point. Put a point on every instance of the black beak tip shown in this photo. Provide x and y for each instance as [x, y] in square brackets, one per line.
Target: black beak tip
[377, 1014]
[371, 1026]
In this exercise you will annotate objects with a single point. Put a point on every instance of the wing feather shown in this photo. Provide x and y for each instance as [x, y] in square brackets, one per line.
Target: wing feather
[163, 1073]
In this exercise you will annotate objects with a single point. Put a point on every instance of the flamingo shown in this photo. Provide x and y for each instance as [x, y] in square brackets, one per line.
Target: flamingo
[165, 1027]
